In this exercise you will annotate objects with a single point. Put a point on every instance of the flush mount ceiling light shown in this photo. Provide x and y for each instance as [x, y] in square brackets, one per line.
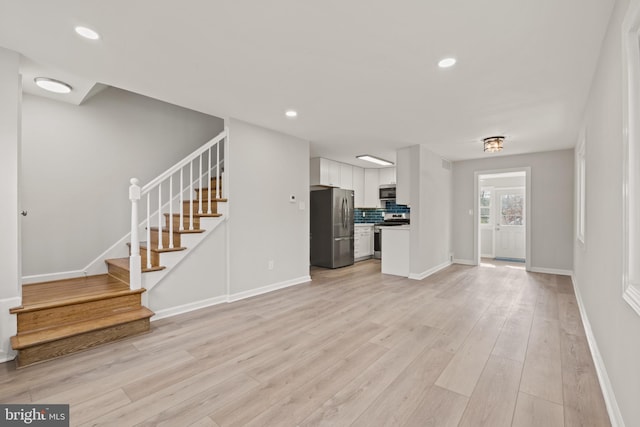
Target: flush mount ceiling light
[375, 160]
[52, 85]
[493, 144]
[291, 114]
[447, 62]
[87, 33]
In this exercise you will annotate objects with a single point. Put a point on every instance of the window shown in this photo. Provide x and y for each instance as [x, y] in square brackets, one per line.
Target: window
[485, 207]
[631, 156]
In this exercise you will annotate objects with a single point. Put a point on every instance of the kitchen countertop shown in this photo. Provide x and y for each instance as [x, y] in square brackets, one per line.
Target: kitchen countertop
[364, 224]
[395, 227]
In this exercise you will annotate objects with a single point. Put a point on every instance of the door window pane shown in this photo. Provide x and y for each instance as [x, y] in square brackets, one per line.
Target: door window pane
[511, 209]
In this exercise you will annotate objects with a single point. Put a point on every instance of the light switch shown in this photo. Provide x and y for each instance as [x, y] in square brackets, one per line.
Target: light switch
[470, 212]
[301, 206]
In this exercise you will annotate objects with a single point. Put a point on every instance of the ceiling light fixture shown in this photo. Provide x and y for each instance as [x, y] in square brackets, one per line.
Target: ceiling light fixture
[493, 144]
[52, 85]
[376, 160]
[447, 62]
[87, 33]
[291, 114]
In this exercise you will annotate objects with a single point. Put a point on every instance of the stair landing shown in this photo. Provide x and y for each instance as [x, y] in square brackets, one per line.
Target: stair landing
[67, 316]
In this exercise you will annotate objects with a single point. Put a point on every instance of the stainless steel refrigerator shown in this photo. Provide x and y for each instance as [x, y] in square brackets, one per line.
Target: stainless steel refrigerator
[332, 228]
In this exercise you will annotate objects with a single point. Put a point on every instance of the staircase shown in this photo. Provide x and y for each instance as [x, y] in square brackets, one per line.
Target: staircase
[66, 316]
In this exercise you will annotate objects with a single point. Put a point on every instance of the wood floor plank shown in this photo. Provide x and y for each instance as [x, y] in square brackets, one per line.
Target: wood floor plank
[438, 408]
[514, 337]
[583, 401]
[302, 401]
[532, 411]
[494, 399]
[281, 385]
[465, 368]
[542, 374]
[353, 346]
[353, 399]
[97, 406]
[569, 315]
[398, 401]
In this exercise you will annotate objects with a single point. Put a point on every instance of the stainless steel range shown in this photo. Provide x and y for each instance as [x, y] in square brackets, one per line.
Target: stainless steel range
[390, 220]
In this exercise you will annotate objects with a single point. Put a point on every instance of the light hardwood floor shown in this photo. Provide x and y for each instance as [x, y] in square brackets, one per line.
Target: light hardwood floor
[468, 346]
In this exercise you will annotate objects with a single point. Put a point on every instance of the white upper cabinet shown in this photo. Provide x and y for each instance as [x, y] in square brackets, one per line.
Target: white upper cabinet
[387, 176]
[346, 176]
[358, 186]
[371, 187]
[324, 172]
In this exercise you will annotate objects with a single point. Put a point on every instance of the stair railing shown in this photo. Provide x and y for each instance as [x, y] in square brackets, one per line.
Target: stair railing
[212, 155]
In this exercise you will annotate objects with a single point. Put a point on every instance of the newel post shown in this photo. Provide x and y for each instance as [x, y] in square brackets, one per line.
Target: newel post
[135, 266]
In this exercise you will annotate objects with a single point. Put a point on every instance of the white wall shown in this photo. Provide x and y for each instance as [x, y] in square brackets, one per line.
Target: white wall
[598, 264]
[265, 168]
[77, 162]
[551, 219]
[199, 280]
[430, 195]
[9, 179]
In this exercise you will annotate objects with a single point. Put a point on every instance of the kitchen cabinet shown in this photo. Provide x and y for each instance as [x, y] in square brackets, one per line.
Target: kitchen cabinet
[324, 172]
[371, 187]
[358, 186]
[346, 176]
[363, 241]
[387, 176]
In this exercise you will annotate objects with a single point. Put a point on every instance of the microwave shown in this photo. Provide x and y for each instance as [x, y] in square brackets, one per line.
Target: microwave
[387, 192]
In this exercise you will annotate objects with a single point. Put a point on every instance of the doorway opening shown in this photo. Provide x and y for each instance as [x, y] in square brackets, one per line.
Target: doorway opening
[502, 215]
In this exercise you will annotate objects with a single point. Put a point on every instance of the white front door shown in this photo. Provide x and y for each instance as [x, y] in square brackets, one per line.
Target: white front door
[510, 219]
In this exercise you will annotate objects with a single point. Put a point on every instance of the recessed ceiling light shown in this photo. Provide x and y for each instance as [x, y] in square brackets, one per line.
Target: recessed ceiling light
[376, 160]
[447, 62]
[87, 33]
[52, 85]
[291, 113]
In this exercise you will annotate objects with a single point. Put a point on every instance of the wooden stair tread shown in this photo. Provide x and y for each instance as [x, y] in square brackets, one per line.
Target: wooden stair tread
[29, 339]
[124, 264]
[143, 245]
[175, 230]
[66, 291]
[195, 215]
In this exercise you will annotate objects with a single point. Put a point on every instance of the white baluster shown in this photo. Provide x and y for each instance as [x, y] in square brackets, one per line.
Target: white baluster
[181, 200]
[160, 244]
[191, 199]
[171, 212]
[149, 231]
[135, 269]
[200, 185]
[209, 184]
[218, 170]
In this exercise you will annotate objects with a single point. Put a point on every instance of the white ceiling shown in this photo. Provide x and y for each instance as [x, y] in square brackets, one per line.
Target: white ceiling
[362, 74]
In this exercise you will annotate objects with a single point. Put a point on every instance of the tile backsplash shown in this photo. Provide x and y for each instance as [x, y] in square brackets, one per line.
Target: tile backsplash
[367, 215]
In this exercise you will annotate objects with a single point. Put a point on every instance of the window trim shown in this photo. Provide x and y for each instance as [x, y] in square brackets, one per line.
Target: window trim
[631, 151]
[581, 168]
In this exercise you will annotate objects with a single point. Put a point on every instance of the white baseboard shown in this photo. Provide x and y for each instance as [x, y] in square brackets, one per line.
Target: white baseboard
[268, 288]
[464, 262]
[185, 308]
[8, 327]
[429, 272]
[49, 277]
[615, 416]
[557, 271]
